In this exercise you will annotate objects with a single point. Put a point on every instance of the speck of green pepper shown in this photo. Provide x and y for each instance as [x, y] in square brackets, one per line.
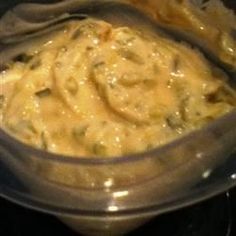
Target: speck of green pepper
[71, 86]
[44, 141]
[79, 132]
[131, 56]
[35, 64]
[174, 122]
[184, 103]
[222, 94]
[24, 58]
[176, 64]
[2, 98]
[98, 64]
[77, 34]
[43, 93]
[99, 149]
[125, 42]
[23, 126]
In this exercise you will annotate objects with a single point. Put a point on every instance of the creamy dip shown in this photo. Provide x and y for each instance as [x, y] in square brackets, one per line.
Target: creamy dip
[94, 89]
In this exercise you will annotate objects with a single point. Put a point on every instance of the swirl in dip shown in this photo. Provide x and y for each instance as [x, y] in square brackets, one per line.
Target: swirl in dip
[94, 89]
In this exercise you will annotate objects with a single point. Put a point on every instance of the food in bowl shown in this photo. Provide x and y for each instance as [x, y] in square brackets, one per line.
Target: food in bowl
[96, 89]
[208, 23]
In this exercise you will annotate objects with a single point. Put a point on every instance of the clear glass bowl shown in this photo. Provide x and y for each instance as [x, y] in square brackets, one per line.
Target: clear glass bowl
[114, 195]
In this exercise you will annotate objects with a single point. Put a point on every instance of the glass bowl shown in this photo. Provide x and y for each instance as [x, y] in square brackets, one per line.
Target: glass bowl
[110, 196]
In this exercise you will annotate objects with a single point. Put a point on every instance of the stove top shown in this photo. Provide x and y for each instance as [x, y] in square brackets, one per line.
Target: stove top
[216, 216]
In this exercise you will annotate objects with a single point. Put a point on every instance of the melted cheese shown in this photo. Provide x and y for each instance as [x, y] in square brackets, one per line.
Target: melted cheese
[98, 90]
[210, 22]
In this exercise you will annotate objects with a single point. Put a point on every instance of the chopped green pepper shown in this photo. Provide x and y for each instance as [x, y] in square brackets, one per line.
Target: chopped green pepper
[24, 58]
[80, 132]
[71, 86]
[43, 93]
[131, 56]
[2, 98]
[99, 149]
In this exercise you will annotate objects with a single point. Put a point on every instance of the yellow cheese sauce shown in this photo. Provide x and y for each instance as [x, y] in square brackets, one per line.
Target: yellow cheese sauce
[210, 21]
[94, 89]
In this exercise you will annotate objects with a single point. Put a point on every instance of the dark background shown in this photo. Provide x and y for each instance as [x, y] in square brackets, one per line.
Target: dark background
[214, 217]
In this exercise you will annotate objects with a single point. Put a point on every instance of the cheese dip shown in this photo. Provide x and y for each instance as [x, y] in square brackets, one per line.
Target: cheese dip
[94, 89]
